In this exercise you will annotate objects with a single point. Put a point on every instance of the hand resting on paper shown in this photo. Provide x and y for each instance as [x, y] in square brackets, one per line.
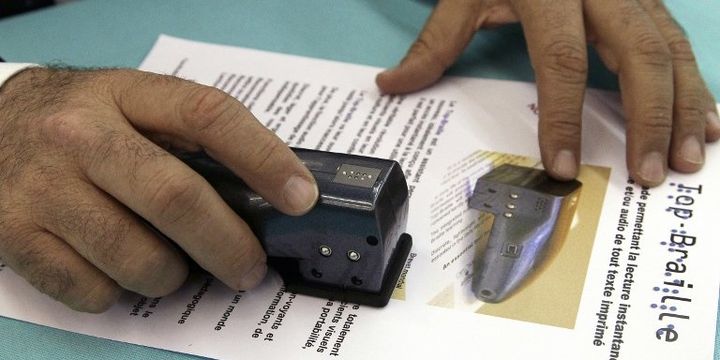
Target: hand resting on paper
[84, 159]
[670, 112]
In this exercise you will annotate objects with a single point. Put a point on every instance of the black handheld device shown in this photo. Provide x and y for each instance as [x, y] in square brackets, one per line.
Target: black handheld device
[351, 246]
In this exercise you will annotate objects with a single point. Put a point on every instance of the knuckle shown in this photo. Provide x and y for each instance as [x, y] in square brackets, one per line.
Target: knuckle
[690, 107]
[205, 107]
[131, 149]
[566, 60]
[143, 272]
[177, 198]
[265, 155]
[99, 298]
[561, 128]
[137, 79]
[424, 49]
[421, 45]
[651, 49]
[233, 263]
[112, 142]
[656, 120]
[244, 258]
[242, 261]
[681, 49]
[98, 87]
[66, 129]
[100, 232]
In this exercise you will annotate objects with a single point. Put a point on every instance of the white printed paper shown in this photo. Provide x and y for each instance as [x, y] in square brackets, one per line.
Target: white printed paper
[634, 276]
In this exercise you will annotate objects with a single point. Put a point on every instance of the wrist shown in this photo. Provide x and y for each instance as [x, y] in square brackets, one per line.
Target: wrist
[8, 70]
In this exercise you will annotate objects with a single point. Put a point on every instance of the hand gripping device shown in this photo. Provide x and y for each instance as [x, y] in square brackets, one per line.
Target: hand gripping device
[351, 246]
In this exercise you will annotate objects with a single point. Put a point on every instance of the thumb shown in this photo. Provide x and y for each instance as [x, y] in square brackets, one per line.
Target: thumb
[444, 36]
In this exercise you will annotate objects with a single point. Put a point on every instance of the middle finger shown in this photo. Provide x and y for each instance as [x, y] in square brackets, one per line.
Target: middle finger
[111, 238]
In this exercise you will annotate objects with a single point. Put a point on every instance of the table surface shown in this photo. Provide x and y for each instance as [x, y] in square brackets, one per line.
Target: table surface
[120, 33]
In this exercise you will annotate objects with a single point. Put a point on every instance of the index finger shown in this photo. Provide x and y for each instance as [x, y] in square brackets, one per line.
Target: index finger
[558, 52]
[225, 129]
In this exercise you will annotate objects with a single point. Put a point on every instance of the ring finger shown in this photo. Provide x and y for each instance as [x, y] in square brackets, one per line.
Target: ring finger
[690, 108]
[645, 72]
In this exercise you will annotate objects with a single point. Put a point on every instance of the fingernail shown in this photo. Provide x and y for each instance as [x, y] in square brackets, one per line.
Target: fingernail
[713, 120]
[300, 194]
[565, 164]
[652, 169]
[255, 275]
[691, 150]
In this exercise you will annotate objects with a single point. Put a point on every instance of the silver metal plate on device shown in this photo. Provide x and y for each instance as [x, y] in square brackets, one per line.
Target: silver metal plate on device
[356, 175]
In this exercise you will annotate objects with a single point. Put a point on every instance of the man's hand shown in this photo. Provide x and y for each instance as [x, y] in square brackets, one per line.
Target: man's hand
[670, 113]
[79, 173]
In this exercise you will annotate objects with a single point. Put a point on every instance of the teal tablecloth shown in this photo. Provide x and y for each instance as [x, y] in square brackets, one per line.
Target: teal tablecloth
[377, 33]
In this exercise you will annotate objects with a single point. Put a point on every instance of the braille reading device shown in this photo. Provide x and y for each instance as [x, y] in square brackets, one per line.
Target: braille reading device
[351, 246]
[527, 205]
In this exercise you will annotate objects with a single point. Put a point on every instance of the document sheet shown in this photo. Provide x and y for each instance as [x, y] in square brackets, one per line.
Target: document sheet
[633, 274]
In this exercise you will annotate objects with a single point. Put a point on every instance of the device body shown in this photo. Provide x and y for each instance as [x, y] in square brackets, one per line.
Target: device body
[526, 204]
[351, 246]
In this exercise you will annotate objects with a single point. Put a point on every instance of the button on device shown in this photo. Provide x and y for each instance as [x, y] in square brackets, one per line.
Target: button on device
[356, 175]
